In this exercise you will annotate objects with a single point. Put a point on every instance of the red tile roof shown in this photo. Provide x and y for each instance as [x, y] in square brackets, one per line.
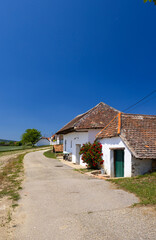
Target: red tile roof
[96, 118]
[137, 131]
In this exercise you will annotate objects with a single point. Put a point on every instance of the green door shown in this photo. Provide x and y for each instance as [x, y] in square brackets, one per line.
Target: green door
[119, 163]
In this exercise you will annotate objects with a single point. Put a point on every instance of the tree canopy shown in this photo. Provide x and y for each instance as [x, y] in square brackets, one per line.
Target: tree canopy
[31, 136]
[150, 1]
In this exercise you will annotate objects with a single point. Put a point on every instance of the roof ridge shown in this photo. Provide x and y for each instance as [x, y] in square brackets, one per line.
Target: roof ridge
[110, 107]
[101, 110]
[137, 114]
[69, 122]
[107, 125]
[85, 114]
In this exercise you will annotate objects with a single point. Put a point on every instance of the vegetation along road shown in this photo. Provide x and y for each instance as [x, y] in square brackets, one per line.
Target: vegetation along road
[59, 203]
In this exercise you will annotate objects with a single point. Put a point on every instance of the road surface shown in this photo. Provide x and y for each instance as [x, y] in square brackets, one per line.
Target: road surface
[58, 203]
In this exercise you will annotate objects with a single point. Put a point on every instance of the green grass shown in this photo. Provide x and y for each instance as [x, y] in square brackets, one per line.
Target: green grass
[143, 186]
[11, 176]
[49, 154]
[84, 170]
[15, 148]
[9, 216]
[14, 205]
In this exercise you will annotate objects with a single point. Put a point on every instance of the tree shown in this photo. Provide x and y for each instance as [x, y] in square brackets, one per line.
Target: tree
[150, 1]
[19, 143]
[11, 143]
[31, 136]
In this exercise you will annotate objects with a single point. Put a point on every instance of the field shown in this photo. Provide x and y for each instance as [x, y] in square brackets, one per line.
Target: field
[13, 148]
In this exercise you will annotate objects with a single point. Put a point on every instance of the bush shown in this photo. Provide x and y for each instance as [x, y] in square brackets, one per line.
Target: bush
[92, 155]
[29, 144]
[18, 143]
[11, 143]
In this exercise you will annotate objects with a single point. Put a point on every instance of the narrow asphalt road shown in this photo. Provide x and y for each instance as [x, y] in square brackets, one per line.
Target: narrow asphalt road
[58, 203]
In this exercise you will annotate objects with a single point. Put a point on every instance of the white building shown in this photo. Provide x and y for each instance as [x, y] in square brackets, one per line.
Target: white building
[56, 139]
[128, 140]
[84, 128]
[43, 142]
[129, 145]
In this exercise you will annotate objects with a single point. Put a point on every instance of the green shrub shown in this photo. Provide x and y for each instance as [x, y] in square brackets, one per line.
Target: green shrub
[18, 143]
[2, 143]
[28, 144]
[11, 143]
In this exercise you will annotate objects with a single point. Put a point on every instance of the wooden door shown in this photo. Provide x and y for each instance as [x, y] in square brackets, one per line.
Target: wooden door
[119, 163]
[78, 146]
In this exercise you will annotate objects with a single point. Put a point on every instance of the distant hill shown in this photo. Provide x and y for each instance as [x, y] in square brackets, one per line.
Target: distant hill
[5, 140]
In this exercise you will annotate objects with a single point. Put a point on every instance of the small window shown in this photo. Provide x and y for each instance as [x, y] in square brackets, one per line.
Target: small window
[71, 144]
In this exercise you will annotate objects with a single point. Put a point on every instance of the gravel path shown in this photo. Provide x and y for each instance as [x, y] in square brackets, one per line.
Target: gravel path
[58, 203]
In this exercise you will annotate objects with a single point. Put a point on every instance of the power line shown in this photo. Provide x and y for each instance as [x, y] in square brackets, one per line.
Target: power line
[140, 100]
[144, 102]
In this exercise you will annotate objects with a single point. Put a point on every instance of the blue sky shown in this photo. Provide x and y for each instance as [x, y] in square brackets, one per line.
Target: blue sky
[60, 58]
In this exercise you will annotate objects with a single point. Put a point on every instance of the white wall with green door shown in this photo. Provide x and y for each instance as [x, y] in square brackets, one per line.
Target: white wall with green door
[109, 146]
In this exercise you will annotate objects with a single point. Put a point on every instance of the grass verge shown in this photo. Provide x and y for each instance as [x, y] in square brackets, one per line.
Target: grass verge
[21, 151]
[143, 186]
[49, 154]
[84, 170]
[13, 148]
[11, 176]
[9, 149]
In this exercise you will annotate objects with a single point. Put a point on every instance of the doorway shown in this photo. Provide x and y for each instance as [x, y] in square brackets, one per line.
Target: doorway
[119, 163]
[78, 146]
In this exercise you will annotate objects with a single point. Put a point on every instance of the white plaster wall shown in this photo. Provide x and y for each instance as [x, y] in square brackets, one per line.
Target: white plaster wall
[140, 166]
[53, 143]
[78, 138]
[92, 133]
[42, 142]
[58, 140]
[115, 143]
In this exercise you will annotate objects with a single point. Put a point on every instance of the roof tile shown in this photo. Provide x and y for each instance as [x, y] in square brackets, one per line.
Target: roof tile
[137, 131]
[97, 117]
